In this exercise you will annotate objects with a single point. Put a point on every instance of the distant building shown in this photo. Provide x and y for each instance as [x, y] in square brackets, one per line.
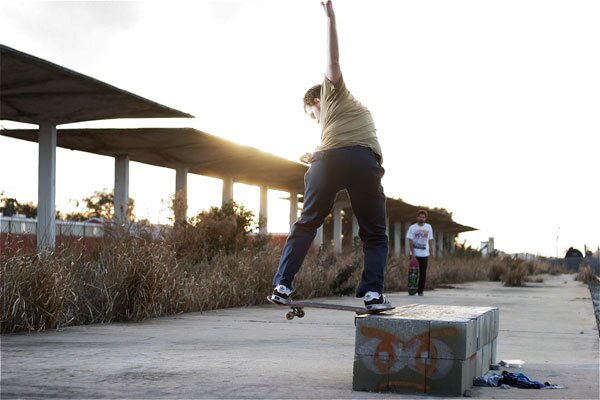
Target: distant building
[524, 256]
[573, 259]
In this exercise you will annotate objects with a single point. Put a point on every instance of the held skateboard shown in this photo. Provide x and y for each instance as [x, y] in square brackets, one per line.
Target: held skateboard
[413, 276]
[298, 308]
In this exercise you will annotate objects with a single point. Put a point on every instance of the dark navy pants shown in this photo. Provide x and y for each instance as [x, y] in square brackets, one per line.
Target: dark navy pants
[358, 170]
[422, 273]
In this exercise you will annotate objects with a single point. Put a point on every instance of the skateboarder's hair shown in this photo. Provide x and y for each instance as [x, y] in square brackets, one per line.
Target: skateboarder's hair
[311, 95]
[422, 212]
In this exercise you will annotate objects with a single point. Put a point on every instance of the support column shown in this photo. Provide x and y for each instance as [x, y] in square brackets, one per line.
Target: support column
[452, 243]
[397, 239]
[293, 208]
[387, 227]
[337, 228]
[180, 204]
[263, 213]
[355, 229]
[439, 242]
[406, 245]
[319, 237]
[46, 219]
[227, 190]
[121, 202]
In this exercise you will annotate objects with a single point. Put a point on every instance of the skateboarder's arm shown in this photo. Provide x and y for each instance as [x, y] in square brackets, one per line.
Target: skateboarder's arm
[431, 248]
[411, 246]
[332, 68]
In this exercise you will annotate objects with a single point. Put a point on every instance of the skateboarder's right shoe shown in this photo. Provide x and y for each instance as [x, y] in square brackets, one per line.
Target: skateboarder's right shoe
[281, 295]
[377, 301]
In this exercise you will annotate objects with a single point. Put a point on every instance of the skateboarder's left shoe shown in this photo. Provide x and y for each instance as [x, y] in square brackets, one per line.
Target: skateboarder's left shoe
[377, 301]
[281, 295]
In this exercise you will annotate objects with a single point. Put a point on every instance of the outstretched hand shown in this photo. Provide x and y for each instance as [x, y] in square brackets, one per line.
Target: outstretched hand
[306, 158]
[328, 8]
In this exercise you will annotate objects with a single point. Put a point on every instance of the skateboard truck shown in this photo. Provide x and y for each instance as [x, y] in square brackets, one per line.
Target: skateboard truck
[296, 312]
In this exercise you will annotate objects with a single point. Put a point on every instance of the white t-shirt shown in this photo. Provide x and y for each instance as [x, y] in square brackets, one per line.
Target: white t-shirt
[420, 236]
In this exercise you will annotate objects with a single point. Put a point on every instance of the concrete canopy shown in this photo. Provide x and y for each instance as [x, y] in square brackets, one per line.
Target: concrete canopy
[202, 153]
[209, 155]
[34, 90]
[398, 210]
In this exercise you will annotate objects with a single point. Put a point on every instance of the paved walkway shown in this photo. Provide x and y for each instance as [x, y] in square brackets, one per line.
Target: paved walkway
[255, 353]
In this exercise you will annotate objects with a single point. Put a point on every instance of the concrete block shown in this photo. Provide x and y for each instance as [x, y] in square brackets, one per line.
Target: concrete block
[450, 377]
[375, 373]
[486, 327]
[479, 362]
[487, 357]
[453, 339]
[479, 340]
[408, 375]
[392, 336]
[484, 330]
[371, 373]
[423, 348]
[495, 323]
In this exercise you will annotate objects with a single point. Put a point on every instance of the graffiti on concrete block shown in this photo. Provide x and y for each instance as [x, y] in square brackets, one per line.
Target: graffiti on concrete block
[426, 353]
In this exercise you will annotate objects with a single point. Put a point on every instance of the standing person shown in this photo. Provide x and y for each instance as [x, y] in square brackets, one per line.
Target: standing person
[420, 241]
[349, 157]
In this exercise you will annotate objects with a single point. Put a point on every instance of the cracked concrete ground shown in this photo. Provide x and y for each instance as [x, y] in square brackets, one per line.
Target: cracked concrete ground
[255, 353]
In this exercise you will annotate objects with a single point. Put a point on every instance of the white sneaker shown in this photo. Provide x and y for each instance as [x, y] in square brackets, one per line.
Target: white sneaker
[281, 295]
[377, 301]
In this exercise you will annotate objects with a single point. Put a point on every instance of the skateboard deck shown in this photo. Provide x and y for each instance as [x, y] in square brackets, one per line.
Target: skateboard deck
[298, 308]
[413, 277]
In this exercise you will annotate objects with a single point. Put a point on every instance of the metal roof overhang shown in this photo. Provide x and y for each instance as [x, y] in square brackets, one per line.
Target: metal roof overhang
[34, 90]
[202, 153]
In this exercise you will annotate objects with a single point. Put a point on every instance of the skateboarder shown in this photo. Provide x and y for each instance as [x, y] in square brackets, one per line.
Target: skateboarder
[349, 157]
[420, 241]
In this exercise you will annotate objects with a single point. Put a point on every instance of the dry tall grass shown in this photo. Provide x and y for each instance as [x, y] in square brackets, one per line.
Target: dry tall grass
[515, 275]
[497, 270]
[586, 275]
[130, 279]
[207, 264]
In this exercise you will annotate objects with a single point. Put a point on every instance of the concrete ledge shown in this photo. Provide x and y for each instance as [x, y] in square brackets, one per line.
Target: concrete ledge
[424, 348]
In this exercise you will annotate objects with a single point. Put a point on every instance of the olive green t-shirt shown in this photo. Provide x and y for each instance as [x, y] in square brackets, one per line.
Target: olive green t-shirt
[344, 121]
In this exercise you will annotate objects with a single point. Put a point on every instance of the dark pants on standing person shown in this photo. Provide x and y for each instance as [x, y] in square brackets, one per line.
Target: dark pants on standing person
[422, 273]
[358, 170]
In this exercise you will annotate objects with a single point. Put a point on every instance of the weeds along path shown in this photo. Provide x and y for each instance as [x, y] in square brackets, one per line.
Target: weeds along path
[211, 265]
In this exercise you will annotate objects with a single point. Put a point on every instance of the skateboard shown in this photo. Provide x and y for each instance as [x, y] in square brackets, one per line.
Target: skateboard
[413, 277]
[299, 306]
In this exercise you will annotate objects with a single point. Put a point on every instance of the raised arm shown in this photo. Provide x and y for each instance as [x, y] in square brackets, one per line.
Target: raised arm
[332, 68]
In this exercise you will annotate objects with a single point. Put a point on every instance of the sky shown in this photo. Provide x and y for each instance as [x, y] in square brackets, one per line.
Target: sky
[489, 109]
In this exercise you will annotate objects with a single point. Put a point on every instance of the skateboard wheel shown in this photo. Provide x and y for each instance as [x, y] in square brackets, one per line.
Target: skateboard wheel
[289, 316]
[300, 313]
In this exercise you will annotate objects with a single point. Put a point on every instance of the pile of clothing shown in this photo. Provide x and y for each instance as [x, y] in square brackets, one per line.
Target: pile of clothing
[511, 379]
